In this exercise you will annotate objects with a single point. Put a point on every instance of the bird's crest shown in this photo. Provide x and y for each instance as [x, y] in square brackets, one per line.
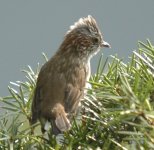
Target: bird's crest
[88, 22]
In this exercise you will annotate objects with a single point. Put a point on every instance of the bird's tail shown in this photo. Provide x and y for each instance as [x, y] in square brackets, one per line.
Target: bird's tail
[61, 122]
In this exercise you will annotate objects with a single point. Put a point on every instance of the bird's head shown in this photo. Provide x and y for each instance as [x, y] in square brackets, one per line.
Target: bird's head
[84, 37]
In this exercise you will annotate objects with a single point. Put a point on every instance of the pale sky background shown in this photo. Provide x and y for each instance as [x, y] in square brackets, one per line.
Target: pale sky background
[30, 27]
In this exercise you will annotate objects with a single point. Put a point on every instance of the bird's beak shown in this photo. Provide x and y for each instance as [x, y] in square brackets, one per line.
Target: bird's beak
[105, 44]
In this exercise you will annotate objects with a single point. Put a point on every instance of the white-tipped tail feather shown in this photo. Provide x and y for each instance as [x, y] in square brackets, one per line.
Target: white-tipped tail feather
[61, 120]
[62, 123]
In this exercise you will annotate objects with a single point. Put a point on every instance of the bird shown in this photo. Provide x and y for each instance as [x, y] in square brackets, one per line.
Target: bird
[62, 80]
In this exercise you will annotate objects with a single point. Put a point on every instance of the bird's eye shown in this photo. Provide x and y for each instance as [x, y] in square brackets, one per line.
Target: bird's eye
[95, 40]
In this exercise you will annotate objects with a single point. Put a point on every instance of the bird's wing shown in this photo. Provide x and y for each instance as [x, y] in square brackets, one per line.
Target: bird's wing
[74, 92]
[38, 97]
[49, 90]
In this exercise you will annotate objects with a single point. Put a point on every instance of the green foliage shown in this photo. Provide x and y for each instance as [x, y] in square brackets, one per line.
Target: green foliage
[117, 112]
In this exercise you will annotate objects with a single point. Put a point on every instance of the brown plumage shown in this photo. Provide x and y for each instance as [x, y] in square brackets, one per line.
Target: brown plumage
[61, 81]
